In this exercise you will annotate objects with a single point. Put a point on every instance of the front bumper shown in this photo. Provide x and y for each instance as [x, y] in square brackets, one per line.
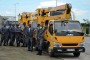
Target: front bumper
[68, 50]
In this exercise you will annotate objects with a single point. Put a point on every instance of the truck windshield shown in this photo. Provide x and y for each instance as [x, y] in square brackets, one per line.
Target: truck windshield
[67, 27]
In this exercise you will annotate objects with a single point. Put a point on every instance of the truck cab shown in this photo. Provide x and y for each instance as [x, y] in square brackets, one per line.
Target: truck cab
[65, 37]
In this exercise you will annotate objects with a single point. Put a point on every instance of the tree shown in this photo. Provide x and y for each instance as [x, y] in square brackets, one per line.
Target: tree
[88, 25]
[86, 21]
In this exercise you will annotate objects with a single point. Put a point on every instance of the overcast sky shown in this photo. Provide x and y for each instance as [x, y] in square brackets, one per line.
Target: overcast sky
[81, 8]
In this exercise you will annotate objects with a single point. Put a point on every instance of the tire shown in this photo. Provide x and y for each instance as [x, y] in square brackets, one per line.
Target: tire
[76, 54]
[51, 54]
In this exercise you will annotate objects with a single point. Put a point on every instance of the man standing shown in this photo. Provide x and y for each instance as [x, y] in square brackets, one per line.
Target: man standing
[9, 37]
[41, 39]
[4, 35]
[12, 35]
[29, 35]
[24, 34]
[18, 35]
[37, 32]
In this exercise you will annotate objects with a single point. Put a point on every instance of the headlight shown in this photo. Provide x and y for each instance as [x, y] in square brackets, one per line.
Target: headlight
[56, 44]
[82, 44]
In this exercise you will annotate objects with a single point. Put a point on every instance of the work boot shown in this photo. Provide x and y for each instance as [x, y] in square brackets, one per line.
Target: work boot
[0, 44]
[4, 45]
[36, 49]
[39, 52]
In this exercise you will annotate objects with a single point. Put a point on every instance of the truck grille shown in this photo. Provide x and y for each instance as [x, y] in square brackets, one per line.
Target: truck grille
[69, 44]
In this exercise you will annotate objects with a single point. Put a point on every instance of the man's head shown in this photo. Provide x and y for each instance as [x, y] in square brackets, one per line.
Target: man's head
[24, 24]
[38, 25]
[9, 24]
[13, 25]
[17, 25]
[29, 25]
[42, 24]
[4, 25]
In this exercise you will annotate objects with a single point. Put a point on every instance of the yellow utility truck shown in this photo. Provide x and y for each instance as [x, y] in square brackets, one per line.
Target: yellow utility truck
[24, 17]
[63, 35]
[27, 17]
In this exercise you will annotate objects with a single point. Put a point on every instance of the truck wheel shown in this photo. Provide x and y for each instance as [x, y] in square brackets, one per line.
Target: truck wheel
[76, 54]
[51, 54]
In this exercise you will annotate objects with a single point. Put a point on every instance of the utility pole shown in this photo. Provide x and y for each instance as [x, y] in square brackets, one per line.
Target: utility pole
[73, 14]
[56, 6]
[15, 12]
[56, 3]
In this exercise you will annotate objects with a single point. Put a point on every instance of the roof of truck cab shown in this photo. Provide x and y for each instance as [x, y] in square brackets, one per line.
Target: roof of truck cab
[66, 20]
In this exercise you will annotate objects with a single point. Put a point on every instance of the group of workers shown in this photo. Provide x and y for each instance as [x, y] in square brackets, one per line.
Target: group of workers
[15, 35]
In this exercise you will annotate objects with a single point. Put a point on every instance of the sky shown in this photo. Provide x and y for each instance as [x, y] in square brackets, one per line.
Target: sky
[81, 8]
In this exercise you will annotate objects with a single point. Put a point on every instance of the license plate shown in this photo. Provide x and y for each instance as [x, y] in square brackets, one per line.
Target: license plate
[70, 49]
[59, 50]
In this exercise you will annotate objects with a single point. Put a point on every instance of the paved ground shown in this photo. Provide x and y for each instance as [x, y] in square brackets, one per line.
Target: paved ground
[20, 53]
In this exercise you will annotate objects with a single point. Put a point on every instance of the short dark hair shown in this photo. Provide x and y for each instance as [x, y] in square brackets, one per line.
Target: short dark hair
[38, 25]
[24, 23]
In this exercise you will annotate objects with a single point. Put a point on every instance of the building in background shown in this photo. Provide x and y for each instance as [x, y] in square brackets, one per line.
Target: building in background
[7, 20]
[1, 18]
[86, 28]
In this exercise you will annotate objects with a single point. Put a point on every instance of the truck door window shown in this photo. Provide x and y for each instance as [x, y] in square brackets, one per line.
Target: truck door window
[51, 28]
